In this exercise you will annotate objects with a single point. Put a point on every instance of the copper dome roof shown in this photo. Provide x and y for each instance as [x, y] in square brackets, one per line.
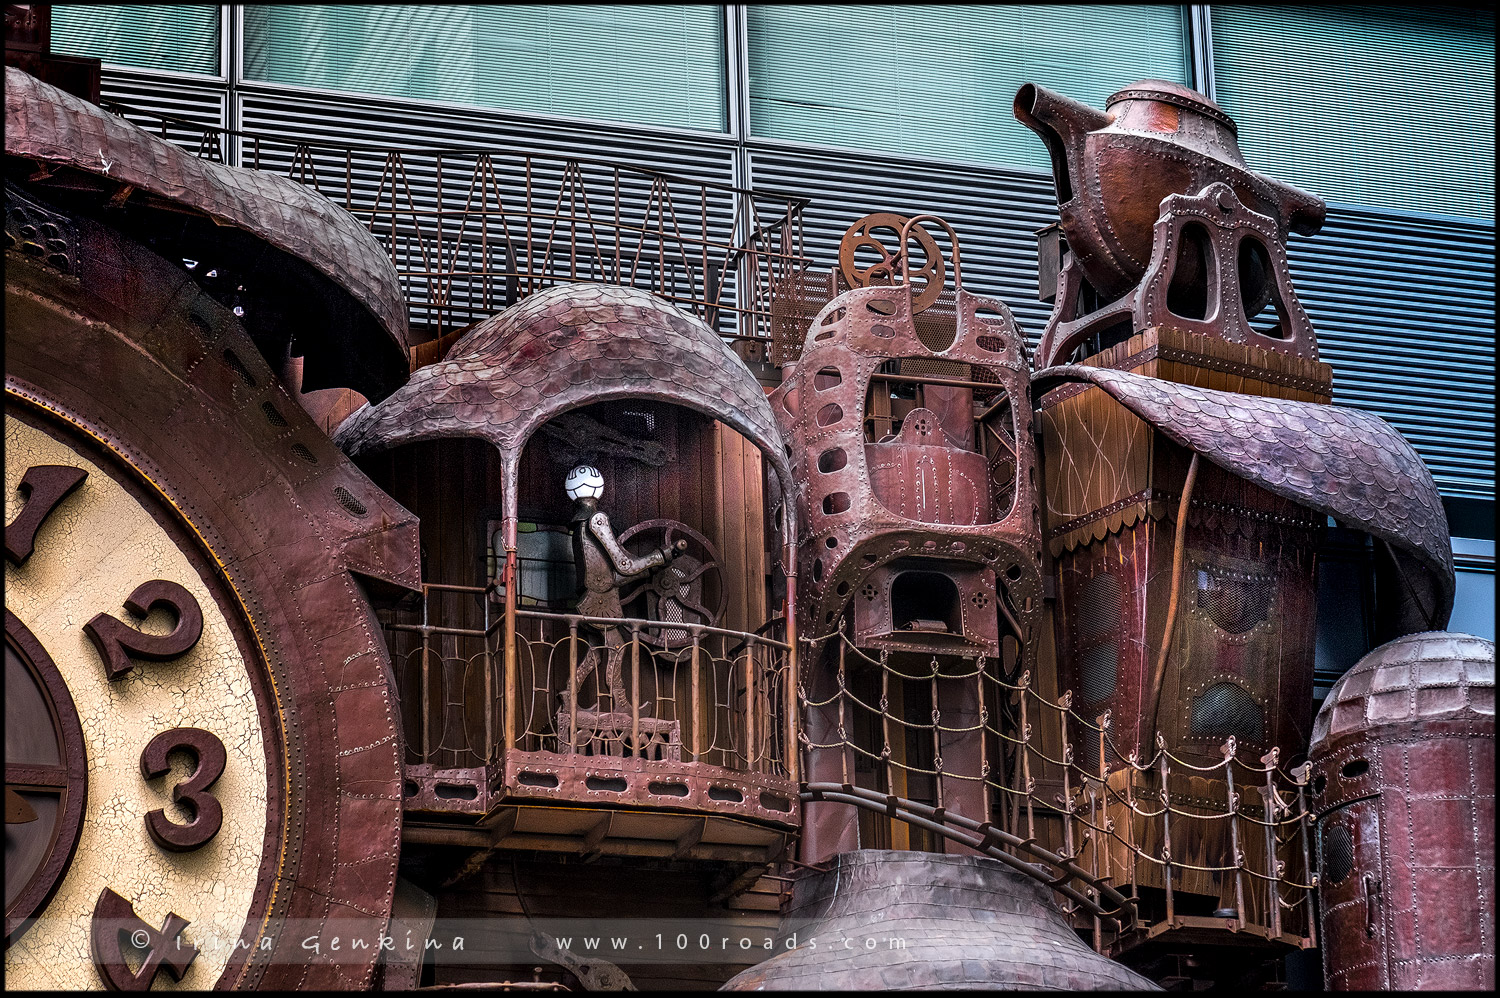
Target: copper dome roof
[567, 346]
[362, 345]
[1419, 677]
[937, 921]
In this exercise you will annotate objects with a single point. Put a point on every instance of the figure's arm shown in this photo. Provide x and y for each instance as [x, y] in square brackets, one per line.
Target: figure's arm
[625, 563]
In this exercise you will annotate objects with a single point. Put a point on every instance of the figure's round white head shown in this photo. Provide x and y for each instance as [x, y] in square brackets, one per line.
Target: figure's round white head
[584, 481]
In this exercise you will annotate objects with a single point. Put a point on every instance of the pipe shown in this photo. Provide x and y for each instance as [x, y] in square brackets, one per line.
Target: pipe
[1179, 553]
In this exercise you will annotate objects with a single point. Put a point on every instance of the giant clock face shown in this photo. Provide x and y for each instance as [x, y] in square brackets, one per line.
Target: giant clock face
[206, 752]
[133, 798]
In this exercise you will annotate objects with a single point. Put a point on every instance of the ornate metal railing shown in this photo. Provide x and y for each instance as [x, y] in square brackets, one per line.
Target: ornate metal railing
[470, 231]
[701, 704]
[1063, 803]
[691, 693]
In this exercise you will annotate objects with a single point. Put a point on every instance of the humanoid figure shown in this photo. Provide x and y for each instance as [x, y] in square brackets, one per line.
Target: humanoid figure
[603, 567]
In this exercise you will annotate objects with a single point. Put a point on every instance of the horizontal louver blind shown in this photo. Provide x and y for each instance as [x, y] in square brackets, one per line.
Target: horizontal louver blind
[526, 174]
[1380, 107]
[1405, 312]
[148, 36]
[939, 81]
[994, 214]
[649, 65]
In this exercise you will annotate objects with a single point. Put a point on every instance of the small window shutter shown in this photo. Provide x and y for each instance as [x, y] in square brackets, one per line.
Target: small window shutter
[183, 39]
[939, 81]
[1377, 107]
[657, 65]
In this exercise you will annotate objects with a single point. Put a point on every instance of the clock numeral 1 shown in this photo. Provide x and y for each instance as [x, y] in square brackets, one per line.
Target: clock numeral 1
[114, 921]
[117, 641]
[208, 816]
[44, 488]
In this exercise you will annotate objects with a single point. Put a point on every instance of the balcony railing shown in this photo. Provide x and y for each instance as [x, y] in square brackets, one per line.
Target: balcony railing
[470, 231]
[658, 714]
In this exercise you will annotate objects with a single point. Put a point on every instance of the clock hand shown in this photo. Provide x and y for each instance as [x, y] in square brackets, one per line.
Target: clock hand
[17, 811]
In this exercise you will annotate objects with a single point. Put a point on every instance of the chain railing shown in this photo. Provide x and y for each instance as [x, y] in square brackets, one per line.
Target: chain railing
[471, 231]
[1098, 825]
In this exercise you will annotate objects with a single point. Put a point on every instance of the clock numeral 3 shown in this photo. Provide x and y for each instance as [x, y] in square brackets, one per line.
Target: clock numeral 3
[44, 488]
[117, 642]
[208, 816]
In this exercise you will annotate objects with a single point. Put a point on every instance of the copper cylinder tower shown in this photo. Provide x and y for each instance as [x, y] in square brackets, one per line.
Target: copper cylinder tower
[1403, 757]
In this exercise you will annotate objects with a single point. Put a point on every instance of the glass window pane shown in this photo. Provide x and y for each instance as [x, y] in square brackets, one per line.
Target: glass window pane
[1371, 106]
[939, 81]
[149, 36]
[659, 65]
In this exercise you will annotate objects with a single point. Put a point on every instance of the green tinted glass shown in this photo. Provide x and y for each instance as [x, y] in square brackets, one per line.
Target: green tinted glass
[661, 65]
[939, 81]
[1384, 107]
[149, 36]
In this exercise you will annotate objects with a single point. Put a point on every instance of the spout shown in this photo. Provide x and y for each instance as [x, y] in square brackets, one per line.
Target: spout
[1061, 123]
[1304, 212]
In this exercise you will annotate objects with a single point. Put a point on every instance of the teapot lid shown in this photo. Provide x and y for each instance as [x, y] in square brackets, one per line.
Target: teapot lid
[1176, 94]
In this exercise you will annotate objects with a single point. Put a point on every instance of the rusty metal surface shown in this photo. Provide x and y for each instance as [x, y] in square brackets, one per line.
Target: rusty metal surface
[163, 376]
[962, 921]
[570, 345]
[58, 131]
[866, 504]
[1215, 269]
[471, 231]
[1343, 462]
[613, 781]
[869, 254]
[1112, 169]
[862, 235]
[1403, 759]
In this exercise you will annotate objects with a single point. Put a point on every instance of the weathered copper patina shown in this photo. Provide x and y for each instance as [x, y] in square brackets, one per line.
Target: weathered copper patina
[1403, 759]
[168, 381]
[1113, 168]
[1342, 462]
[916, 482]
[277, 237]
[1164, 225]
[905, 921]
[567, 346]
[561, 349]
[935, 488]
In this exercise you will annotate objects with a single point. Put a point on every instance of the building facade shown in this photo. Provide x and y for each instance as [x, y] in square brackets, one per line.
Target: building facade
[641, 266]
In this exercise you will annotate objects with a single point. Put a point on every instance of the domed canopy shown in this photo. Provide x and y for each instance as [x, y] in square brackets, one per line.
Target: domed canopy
[905, 921]
[1419, 677]
[317, 273]
[1343, 462]
[568, 346]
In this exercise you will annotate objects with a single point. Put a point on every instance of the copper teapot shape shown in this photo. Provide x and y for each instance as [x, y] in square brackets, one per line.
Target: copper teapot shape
[1113, 167]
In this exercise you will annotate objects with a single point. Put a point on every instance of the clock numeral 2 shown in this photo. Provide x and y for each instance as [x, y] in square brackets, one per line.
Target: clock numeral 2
[208, 816]
[117, 641]
[44, 487]
[115, 920]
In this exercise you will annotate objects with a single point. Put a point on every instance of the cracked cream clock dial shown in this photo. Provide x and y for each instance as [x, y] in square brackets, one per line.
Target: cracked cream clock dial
[135, 755]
